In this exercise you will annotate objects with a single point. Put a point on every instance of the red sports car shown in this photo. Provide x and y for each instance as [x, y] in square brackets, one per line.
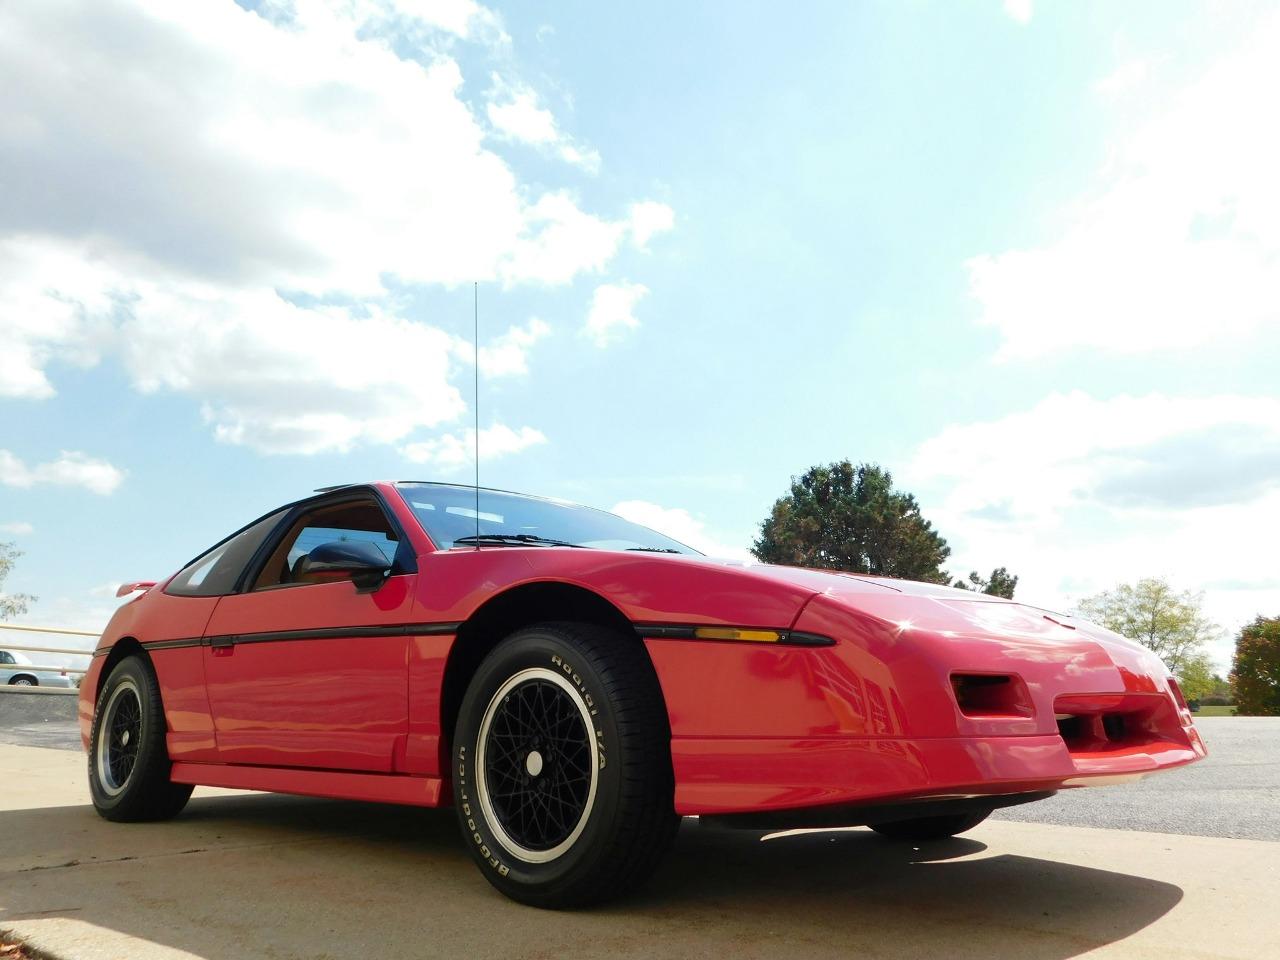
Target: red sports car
[573, 684]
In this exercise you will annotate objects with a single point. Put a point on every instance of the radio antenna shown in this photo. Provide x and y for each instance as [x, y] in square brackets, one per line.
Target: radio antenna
[475, 304]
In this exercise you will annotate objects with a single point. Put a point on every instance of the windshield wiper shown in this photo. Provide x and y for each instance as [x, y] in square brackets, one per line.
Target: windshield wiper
[515, 540]
[652, 550]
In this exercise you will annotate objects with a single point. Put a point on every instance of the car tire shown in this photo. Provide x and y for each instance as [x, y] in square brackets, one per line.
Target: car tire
[562, 773]
[128, 761]
[24, 682]
[930, 828]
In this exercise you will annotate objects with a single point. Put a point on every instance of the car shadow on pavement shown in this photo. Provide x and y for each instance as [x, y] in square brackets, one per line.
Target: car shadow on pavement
[263, 875]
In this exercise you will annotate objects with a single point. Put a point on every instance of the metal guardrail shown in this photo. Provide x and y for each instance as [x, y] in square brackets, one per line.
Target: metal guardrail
[48, 668]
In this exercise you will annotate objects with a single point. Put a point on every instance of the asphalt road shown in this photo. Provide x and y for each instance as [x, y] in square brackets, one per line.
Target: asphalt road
[34, 718]
[1235, 792]
[56, 734]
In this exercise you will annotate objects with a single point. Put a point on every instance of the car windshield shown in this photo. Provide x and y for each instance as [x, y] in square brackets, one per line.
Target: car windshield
[448, 514]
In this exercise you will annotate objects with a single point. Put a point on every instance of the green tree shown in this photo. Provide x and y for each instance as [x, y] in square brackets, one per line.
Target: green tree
[841, 517]
[1196, 677]
[1255, 670]
[11, 604]
[1152, 613]
[1001, 583]
[1222, 689]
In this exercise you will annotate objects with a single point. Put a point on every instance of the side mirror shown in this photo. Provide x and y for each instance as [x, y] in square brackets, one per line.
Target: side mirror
[357, 559]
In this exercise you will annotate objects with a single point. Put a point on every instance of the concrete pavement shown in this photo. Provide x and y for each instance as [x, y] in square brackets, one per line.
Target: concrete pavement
[268, 876]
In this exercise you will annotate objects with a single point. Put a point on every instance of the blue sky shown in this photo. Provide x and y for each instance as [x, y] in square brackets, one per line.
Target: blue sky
[1025, 255]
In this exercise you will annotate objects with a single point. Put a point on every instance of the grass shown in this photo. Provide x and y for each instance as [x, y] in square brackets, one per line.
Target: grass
[1228, 711]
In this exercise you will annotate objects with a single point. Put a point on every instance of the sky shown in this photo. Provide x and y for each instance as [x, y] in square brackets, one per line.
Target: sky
[1025, 255]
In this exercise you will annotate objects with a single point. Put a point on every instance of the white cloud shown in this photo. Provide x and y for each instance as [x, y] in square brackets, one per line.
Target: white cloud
[1124, 78]
[1019, 10]
[1072, 448]
[612, 311]
[70, 469]
[1077, 494]
[680, 525]
[561, 241]
[649, 218]
[516, 114]
[519, 117]
[286, 380]
[19, 528]
[256, 179]
[247, 151]
[48, 295]
[508, 354]
[462, 18]
[451, 451]
[585, 157]
[1176, 245]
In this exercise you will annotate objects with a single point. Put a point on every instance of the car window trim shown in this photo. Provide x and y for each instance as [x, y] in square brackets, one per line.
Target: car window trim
[253, 569]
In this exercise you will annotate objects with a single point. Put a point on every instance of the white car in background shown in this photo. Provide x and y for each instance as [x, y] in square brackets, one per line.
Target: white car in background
[15, 671]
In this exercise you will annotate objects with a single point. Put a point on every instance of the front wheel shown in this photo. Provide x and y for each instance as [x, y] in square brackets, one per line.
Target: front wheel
[931, 828]
[562, 766]
[128, 762]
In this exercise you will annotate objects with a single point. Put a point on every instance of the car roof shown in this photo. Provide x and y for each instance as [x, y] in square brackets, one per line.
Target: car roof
[424, 483]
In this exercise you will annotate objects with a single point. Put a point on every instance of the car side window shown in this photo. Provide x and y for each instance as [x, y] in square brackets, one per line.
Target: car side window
[6, 657]
[361, 521]
[216, 572]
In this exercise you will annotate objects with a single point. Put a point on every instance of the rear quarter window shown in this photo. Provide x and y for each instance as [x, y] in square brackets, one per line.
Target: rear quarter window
[217, 571]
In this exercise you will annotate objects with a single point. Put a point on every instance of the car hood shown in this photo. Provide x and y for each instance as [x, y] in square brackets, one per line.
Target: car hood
[940, 609]
[837, 583]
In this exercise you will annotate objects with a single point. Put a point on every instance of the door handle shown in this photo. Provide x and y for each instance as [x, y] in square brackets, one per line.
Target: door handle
[222, 646]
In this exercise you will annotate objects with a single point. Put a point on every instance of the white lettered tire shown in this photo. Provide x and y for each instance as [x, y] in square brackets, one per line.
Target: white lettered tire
[562, 766]
[128, 761]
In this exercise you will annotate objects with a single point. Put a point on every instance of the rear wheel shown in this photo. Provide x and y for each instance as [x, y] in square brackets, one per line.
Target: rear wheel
[562, 766]
[23, 682]
[128, 762]
[931, 828]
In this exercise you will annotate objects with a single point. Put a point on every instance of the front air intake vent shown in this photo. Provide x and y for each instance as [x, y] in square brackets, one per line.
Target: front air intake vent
[991, 695]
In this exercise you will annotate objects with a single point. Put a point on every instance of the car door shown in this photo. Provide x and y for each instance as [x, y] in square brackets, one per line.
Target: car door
[305, 670]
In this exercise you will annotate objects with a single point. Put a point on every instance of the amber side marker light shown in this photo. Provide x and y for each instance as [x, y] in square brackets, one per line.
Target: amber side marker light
[733, 633]
[781, 638]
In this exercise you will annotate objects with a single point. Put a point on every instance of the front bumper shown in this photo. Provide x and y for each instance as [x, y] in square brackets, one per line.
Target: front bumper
[877, 718]
[720, 776]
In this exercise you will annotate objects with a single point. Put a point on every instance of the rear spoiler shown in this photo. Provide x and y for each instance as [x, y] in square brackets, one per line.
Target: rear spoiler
[128, 588]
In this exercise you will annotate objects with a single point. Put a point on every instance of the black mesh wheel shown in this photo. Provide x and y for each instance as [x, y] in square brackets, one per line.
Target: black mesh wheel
[120, 740]
[538, 764]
